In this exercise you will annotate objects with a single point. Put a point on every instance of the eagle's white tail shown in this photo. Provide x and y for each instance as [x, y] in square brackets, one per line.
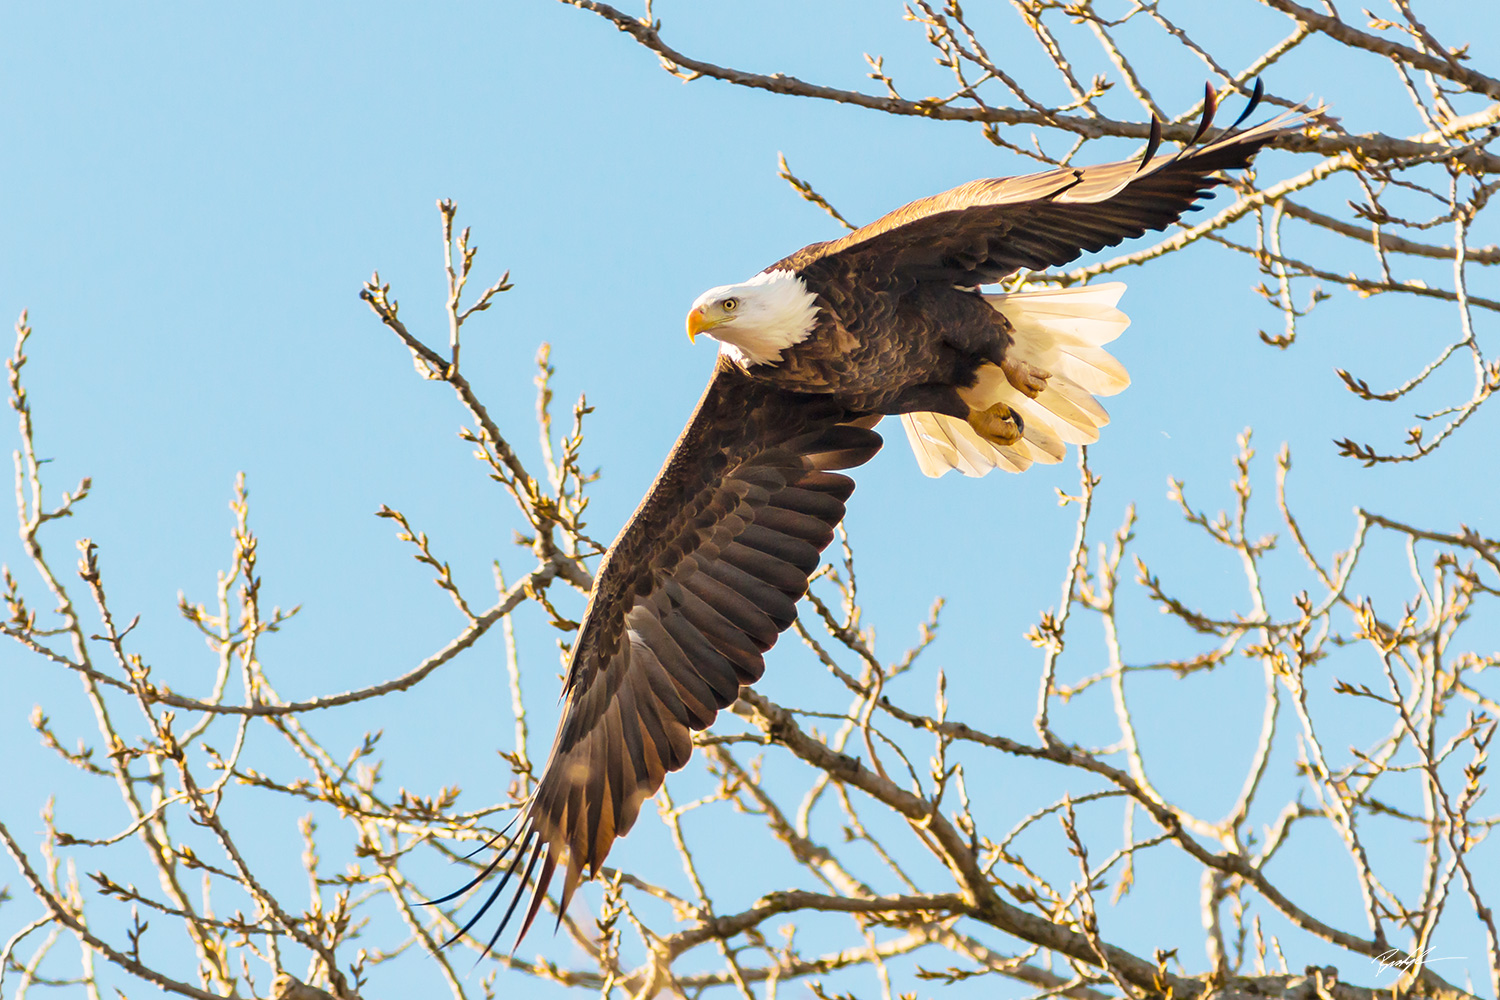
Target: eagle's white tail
[1061, 332]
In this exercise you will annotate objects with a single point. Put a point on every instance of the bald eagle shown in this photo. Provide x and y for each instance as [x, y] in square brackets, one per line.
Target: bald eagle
[813, 352]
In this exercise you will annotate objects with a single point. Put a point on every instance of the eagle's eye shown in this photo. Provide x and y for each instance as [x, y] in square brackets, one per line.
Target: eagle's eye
[729, 305]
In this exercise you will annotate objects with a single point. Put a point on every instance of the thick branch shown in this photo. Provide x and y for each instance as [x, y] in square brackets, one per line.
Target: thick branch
[1375, 146]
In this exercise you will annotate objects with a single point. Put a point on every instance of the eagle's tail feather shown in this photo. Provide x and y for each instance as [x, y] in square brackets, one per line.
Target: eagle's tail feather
[1061, 331]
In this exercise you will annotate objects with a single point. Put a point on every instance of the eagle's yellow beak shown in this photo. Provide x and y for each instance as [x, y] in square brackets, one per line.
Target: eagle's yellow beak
[695, 324]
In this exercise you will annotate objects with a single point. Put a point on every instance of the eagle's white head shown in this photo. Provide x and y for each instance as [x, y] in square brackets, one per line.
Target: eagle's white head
[755, 320]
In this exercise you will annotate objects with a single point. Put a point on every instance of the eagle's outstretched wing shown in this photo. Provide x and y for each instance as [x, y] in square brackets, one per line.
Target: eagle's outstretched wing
[703, 578]
[981, 231]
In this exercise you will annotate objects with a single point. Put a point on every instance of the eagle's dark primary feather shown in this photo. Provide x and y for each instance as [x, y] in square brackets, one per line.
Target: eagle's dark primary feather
[704, 577]
[981, 231]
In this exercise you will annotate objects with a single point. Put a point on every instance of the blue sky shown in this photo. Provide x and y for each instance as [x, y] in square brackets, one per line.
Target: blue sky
[191, 196]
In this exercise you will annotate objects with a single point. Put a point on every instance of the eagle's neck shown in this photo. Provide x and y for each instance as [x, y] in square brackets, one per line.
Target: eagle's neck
[777, 312]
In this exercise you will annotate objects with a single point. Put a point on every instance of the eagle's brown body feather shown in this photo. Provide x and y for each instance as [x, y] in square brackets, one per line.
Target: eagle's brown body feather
[894, 347]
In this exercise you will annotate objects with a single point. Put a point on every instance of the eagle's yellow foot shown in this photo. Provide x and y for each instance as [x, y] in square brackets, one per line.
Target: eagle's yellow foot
[998, 424]
[1027, 378]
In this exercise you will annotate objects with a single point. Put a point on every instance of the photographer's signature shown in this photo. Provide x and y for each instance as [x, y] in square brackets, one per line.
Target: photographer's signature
[1397, 959]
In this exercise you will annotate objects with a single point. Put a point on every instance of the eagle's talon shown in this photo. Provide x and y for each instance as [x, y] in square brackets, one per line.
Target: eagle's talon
[998, 424]
[1025, 377]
